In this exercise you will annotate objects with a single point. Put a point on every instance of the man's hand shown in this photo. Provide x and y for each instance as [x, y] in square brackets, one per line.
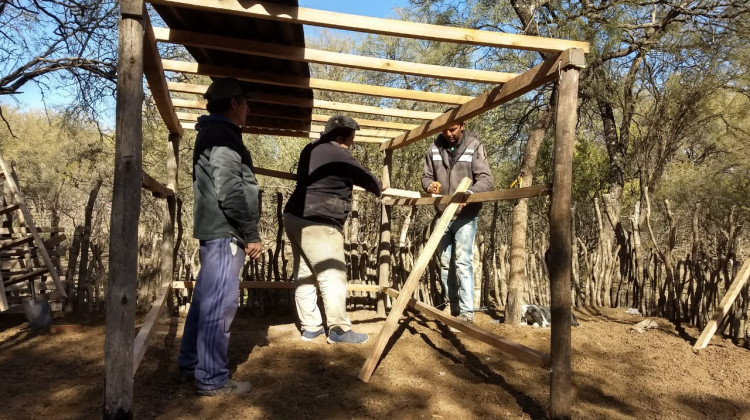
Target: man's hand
[462, 205]
[254, 250]
[434, 187]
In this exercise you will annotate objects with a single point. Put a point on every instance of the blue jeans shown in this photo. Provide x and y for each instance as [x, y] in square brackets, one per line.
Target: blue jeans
[456, 268]
[205, 339]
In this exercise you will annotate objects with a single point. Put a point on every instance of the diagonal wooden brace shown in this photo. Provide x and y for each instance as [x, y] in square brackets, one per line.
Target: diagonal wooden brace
[734, 290]
[411, 283]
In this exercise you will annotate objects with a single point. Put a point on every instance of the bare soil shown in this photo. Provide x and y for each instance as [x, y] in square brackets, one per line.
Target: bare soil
[427, 372]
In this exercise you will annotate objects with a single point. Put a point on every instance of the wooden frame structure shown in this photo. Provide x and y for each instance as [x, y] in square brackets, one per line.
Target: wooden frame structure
[231, 39]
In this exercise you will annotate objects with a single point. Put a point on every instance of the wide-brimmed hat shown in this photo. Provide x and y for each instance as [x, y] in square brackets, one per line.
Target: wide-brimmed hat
[226, 88]
[338, 121]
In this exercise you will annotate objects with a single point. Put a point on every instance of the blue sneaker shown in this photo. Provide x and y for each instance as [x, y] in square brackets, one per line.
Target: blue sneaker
[312, 335]
[337, 335]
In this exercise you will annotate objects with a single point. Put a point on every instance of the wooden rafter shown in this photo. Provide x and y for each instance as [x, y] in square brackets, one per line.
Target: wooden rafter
[320, 104]
[154, 73]
[398, 28]
[307, 83]
[311, 55]
[261, 111]
[292, 133]
[526, 82]
[291, 124]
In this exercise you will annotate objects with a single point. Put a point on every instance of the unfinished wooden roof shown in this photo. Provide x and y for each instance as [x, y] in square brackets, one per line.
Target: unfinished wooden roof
[262, 45]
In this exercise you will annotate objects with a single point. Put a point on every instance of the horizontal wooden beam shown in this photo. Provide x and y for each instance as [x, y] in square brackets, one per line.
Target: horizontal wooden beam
[279, 285]
[398, 28]
[303, 83]
[296, 125]
[397, 193]
[9, 209]
[276, 174]
[24, 277]
[519, 351]
[16, 242]
[311, 55]
[349, 107]
[262, 111]
[498, 195]
[293, 133]
[157, 189]
[320, 104]
[157, 83]
[543, 73]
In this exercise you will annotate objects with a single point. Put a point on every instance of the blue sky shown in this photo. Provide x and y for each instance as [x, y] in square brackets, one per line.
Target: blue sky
[374, 8]
[31, 97]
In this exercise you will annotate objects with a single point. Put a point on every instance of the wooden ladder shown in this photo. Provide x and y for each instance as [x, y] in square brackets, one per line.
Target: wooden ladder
[21, 254]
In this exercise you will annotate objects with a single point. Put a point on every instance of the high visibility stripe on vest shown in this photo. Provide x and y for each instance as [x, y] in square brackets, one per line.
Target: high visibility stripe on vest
[467, 156]
[435, 154]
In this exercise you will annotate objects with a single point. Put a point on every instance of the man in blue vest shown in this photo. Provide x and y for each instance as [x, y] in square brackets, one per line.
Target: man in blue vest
[455, 154]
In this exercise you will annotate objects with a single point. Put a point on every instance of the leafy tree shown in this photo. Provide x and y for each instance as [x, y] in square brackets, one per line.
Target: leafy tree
[64, 47]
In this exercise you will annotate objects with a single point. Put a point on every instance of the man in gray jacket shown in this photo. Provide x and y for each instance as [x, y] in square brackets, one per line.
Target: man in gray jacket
[456, 154]
[226, 224]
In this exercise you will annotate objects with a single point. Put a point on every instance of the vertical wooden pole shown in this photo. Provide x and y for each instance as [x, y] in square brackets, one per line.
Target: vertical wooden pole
[384, 248]
[168, 250]
[126, 208]
[560, 244]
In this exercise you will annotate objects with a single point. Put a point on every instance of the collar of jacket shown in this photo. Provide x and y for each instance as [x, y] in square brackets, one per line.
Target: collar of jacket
[233, 140]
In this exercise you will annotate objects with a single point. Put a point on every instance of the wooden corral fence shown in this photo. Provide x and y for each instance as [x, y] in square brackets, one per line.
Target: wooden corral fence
[217, 33]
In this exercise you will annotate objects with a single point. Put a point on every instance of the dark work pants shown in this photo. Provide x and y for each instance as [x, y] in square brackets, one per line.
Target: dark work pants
[205, 338]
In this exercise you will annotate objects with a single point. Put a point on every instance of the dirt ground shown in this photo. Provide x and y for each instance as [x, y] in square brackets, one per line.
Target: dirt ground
[428, 372]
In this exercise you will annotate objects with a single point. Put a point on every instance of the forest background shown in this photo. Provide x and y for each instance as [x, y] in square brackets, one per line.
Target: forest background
[661, 171]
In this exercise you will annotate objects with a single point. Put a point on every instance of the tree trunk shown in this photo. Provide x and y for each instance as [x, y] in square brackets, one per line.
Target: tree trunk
[520, 221]
[85, 239]
[75, 249]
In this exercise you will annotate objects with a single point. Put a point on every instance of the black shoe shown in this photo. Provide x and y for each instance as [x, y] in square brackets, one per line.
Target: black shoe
[185, 375]
[231, 387]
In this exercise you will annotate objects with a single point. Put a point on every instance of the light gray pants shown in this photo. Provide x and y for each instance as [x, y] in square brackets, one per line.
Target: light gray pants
[318, 258]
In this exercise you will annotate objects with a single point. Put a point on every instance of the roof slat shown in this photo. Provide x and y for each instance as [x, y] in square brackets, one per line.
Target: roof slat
[310, 55]
[296, 81]
[392, 27]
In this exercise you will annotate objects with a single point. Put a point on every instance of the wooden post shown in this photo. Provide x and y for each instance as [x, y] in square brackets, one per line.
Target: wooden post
[384, 247]
[126, 208]
[560, 244]
[411, 283]
[723, 309]
[168, 250]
